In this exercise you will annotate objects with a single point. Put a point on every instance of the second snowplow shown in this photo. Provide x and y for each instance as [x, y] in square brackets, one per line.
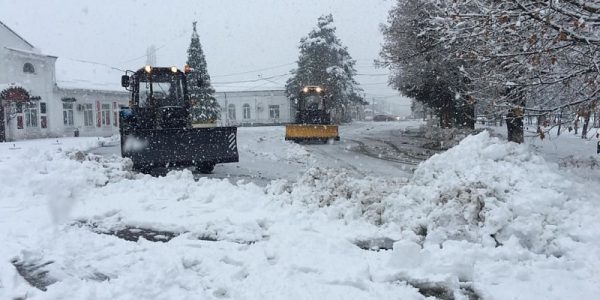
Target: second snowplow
[312, 121]
[307, 132]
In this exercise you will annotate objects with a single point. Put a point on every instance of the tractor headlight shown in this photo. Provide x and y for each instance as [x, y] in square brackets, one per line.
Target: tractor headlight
[174, 69]
[148, 69]
[305, 89]
[319, 89]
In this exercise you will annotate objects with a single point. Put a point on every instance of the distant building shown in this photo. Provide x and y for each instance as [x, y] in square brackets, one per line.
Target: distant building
[268, 107]
[33, 105]
[254, 108]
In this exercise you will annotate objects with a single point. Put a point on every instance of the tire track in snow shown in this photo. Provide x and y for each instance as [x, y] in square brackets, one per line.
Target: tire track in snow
[323, 152]
[363, 149]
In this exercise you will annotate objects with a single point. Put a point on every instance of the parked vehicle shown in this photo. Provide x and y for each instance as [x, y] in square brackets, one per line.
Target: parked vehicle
[384, 118]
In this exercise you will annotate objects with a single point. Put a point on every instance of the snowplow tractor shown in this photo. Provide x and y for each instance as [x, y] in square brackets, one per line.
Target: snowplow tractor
[156, 129]
[312, 121]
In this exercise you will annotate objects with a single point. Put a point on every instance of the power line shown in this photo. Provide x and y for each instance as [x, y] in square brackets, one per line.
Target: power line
[93, 63]
[253, 80]
[254, 71]
[284, 65]
[158, 48]
[142, 56]
[377, 83]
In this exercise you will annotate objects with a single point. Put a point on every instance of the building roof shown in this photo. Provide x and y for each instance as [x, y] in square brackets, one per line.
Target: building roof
[77, 75]
[29, 52]
[4, 86]
[17, 35]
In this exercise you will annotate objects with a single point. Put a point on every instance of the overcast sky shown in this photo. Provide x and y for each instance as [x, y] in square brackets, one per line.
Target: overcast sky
[258, 38]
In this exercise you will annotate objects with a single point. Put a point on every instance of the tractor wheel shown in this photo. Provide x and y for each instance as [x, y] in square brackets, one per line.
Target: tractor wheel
[205, 168]
[144, 169]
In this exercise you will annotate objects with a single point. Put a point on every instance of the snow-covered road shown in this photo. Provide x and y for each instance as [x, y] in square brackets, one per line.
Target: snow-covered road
[484, 220]
[366, 149]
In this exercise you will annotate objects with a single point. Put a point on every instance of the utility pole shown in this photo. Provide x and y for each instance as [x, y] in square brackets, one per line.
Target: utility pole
[226, 109]
[151, 56]
[373, 105]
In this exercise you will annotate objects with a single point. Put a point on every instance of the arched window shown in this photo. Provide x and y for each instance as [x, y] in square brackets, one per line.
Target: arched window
[247, 115]
[231, 111]
[28, 68]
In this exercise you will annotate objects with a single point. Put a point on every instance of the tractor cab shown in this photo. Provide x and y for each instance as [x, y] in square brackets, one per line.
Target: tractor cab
[312, 107]
[158, 87]
[159, 97]
[312, 98]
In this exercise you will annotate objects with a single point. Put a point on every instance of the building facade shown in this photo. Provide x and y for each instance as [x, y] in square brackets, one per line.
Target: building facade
[254, 108]
[32, 105]
[90, 112]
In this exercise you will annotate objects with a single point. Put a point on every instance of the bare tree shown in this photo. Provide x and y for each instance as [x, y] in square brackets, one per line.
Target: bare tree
[521, 49]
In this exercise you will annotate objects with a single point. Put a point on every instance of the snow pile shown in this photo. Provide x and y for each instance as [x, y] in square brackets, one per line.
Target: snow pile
[484, 207]
[337, 192]
[492, 213]
[220, 239]
[489, 191]
[445, 138]
[486, 218]
[484, 191]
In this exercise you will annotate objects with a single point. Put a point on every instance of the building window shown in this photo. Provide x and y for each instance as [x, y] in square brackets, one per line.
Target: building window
[115, 115]
[31, 115]
[28, 68]
[88, 115]
[106, 114]
[231, 111]
[274, 111]
[247, 114]
[42, 107]
[68, 114]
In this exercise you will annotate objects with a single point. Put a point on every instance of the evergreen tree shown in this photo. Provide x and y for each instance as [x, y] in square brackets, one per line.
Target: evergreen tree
[324, 61]
[205, 107]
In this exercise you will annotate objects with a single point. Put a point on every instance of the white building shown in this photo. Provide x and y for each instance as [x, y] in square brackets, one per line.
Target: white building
[254, 108]
[32, 105]
[90, 112]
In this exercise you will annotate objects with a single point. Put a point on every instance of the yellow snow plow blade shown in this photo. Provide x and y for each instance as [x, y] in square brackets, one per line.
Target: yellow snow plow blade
[307, 132]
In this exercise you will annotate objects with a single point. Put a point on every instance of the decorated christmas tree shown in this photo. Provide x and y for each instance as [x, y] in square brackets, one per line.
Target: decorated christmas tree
[205, 108]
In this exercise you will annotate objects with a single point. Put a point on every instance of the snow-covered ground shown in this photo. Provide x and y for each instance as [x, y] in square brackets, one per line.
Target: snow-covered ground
[265, 156]
[484, 220]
